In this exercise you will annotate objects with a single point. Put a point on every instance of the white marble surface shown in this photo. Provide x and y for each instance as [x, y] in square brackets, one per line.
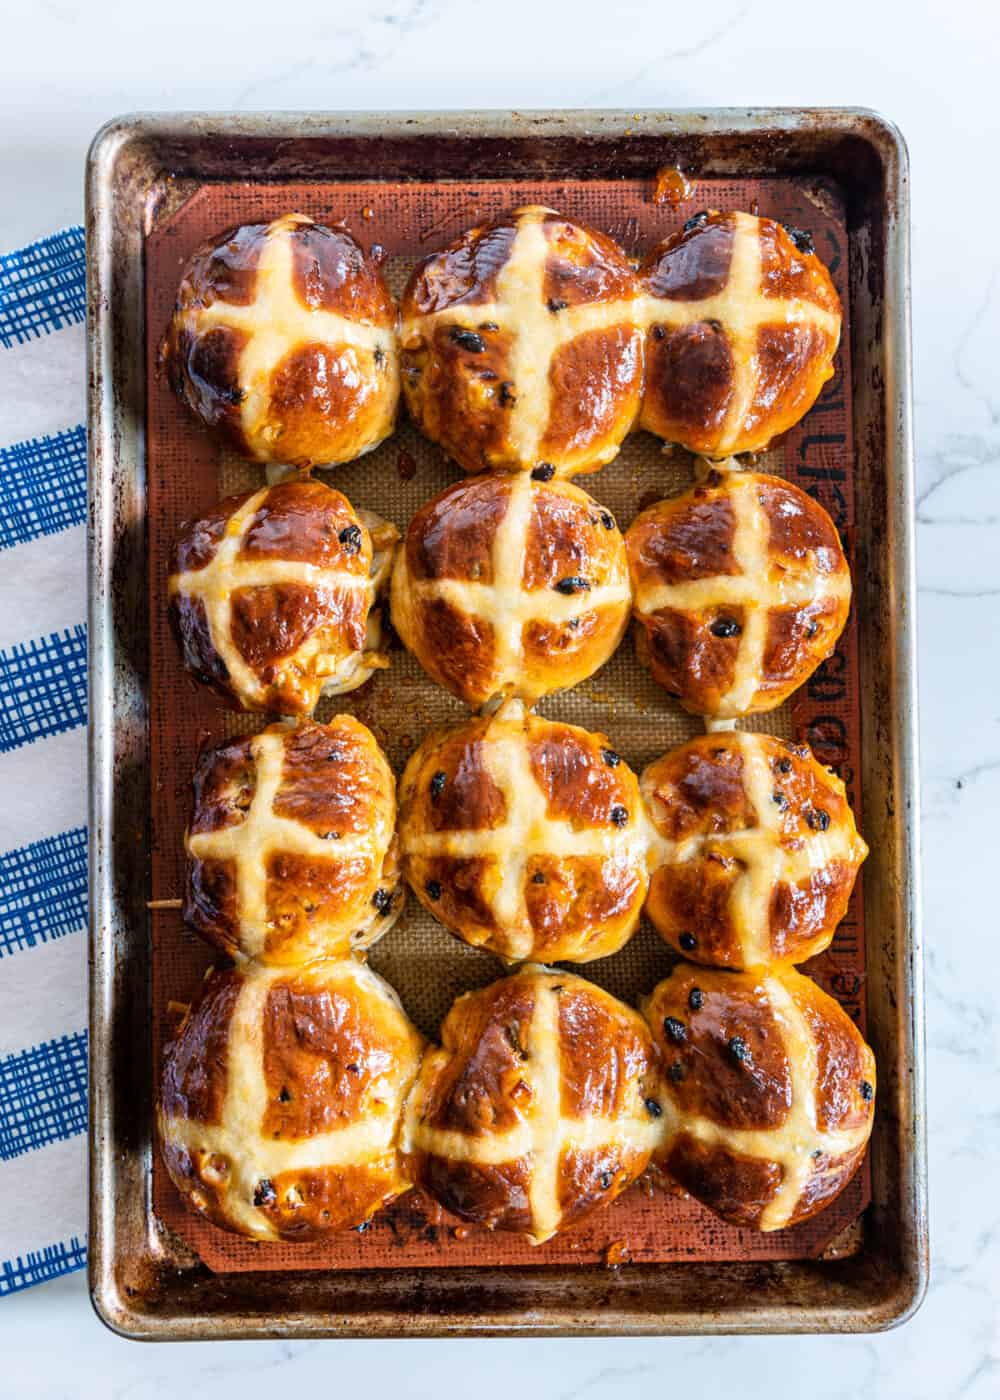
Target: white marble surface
[65, 67]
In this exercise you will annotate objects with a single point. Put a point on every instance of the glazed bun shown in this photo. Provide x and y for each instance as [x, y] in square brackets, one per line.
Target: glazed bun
[291, 847]
[539, 1106]
[741, 591]
[507, 586]
[525, 837]
[283, 340]
[273, 596]
[758, 851]
[522, 347]
[744, 324]
[768, 1092]
[281, 1097]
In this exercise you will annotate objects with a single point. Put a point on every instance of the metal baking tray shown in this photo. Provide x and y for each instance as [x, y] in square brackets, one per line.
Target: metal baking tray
[141, 167]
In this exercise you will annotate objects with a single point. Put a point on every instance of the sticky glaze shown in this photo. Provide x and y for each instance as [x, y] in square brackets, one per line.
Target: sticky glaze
[281, 1096]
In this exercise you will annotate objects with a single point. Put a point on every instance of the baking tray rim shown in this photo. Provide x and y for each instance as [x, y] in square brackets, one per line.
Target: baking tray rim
[114, 417]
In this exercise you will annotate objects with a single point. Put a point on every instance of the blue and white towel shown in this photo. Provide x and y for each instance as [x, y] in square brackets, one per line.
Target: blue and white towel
[43, 762]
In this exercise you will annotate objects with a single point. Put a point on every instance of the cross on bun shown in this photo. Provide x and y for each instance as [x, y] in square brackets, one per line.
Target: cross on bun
[744, 325]
[768, 1092]
[508, 586]
[741, 591]
[525, 836]
[283, 341]
[281, 1097]
[291, 847]
[273, 596]
[757, 852]
[522, 347]
[538, 1107]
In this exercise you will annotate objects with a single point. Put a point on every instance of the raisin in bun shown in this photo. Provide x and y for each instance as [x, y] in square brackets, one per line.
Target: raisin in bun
[744, 324]
[768, 1092]
[741, 591]
[757, 852]
[291, 852]
[522, 347]
[538, 1107]
[283, 341]
[274, 596]
[525, 837]
[506, 586]
[281, 1098]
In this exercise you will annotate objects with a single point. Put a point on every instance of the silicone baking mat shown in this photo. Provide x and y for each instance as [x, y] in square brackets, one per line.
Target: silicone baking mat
[187, 473]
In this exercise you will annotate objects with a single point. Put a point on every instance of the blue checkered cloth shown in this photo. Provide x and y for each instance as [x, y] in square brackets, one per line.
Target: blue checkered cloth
[43, 715]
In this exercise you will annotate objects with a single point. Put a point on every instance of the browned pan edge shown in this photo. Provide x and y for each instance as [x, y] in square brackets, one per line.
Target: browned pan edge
[144, 1287]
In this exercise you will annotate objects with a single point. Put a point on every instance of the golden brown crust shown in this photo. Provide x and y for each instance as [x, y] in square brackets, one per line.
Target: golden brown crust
[267, 625]
[479, 1090]
[735, 1187]
[758, 850]
[331, 273]
[198, 540]
[843, 1061]
[522, 346]
[591, 1081]
[744, 325]
[281, 1096]
[768, 1092]
[684, 539]
[452, 535]
[583, 266]
[463, 274]
[691, 372]
[590, 378]
[194, 1073]
[538, 1107]
[331, 778]
[706, 1078]
[564, 896]
[291, 852]
[508, 586]
[272, 595]
[525, 837]
[314, 387]
[797, 274]
[283, 341]
[741, 590]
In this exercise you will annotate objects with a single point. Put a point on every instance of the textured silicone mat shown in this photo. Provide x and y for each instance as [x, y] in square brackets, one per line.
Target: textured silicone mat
[187, 473]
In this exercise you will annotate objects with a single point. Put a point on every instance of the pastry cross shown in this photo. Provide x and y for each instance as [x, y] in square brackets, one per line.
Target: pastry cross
[252, 1158]
[741, 308]
[527, 831]
[262, 833]
[276, 321]
[505, 603]
[751, 589]
[793, 1144]
[543, 1132]
[768, 861]
[225, 573]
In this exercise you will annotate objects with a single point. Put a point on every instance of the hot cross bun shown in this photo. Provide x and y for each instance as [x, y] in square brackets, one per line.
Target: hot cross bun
[741, 591]
[281, 1099]
[744, 325]
[283, 341]
[525, 837]
[522, 348]
[291, 847]
[273, 596]
[757, 852]
[540, 1106]
[768, 1092]
[507, 586]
